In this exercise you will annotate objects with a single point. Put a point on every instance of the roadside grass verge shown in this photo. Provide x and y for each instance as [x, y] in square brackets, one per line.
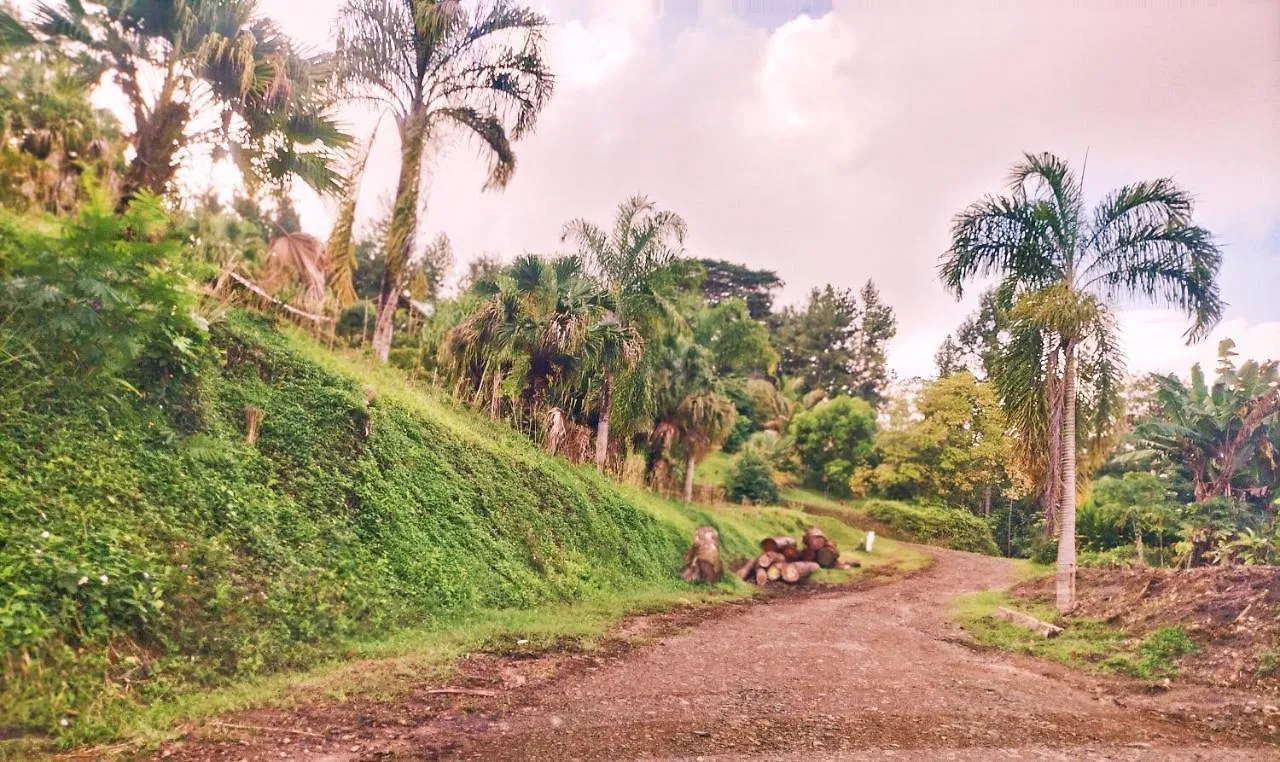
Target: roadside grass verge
[388, 667]
[930, 525]
[1086, 644]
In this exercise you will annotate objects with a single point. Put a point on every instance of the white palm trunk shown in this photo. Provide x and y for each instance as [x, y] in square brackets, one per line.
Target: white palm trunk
[1066, 577]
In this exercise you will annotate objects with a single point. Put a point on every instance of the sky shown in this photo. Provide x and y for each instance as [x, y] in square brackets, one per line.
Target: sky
[833, 141]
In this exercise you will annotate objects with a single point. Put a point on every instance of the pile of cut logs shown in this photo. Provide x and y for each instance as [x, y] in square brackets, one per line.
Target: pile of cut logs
[786, 561]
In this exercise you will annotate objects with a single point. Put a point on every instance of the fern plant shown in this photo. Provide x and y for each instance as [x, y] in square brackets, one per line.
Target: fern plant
[102, 296]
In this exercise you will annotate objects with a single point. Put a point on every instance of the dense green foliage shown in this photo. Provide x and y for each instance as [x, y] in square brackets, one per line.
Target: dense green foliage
[723, 281]
[96, 295]
[156, 533]
[751, 480]
[952, 451]
[950, 528]
[832, 440]
[836, 342]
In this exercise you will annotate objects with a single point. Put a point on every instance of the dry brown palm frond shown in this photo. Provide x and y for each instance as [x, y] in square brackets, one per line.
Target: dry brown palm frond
[297, 258]
[556, 430]
[340, 275]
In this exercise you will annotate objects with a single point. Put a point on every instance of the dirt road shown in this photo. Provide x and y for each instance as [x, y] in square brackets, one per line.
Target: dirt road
[865, 674]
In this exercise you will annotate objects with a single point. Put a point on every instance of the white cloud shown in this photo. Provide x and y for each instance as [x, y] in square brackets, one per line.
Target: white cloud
[837, 148]
[1153, 341]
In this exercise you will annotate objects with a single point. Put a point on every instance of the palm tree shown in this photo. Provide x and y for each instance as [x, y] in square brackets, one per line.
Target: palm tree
[227, 78]
[440, 65]
[637, 261]
[692, 416]
[51, 134]
[611, 348]
[1064, 267]
[532, 331]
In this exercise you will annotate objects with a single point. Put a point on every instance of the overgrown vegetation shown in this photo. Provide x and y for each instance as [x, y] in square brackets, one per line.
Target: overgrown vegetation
[959, 530]
[1084, 644]
[150, 547]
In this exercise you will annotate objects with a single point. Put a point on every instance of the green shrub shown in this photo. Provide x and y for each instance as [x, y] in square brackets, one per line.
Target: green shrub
[750, 479]
[832, 440]
[1044, 549]
[101, 296]
[1157, 655]
[738, 435]
[950, 527]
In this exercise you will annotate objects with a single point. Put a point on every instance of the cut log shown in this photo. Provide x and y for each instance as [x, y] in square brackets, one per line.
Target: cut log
[808, 554]
[746, 571]
[777, 544]
[828, 556]
[814, 538]
[794, 572]
[774, 572]
[1043, 629]
[702, 562]
[764, 560]
[762, 576]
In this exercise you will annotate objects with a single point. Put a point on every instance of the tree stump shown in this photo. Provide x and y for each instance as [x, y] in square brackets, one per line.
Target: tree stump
[702, 562]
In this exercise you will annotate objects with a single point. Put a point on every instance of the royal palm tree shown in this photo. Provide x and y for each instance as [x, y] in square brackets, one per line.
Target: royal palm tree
[638, 261]
[441, 66]
[1063, 267]
[228, 79]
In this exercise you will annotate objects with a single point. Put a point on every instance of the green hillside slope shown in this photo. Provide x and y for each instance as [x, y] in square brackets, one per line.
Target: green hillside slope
[147, 549]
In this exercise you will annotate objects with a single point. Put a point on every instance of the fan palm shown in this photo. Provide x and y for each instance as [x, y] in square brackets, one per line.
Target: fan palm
[692, 416]
[1064, 267]
[50, 133]
[226, 77]
[440, 65]
[532, 331]
[638, 261]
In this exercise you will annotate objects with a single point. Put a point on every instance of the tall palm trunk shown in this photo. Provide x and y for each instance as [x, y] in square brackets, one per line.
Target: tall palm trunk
[1066, 582]
[688, 479]
[404, 226]
[602, 425]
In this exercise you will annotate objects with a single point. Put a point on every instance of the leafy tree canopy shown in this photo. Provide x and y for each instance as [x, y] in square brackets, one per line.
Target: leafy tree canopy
[832, 440]
[836, 343]
[725, 280]
[952, 452]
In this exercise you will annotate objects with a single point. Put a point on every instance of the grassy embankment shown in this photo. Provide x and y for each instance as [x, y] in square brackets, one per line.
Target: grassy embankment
[155, 565]
[1085, 643]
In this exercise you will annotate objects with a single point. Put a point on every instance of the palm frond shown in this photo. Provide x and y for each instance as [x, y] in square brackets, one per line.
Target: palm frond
[13, 33]
[999, 237]
[492, 134]
[1143, 245]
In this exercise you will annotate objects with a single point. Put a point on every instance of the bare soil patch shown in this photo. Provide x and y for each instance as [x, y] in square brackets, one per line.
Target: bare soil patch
[1233, 613]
